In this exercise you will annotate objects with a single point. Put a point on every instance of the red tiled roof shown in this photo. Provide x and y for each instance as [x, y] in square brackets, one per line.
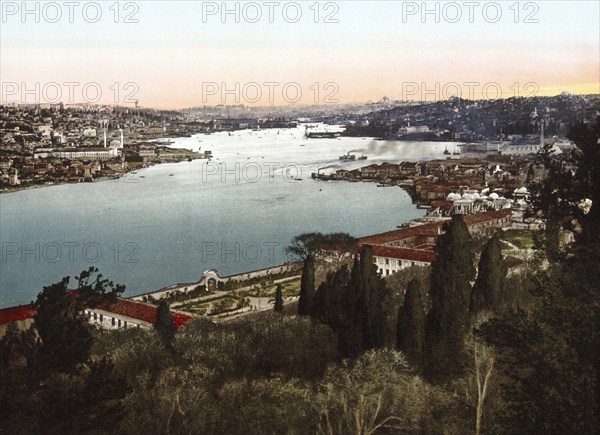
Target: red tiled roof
[141, 311]
[431, 229]
[402, 233]
[13, 314]
[123, 307]
[404, 254]
[471, 219]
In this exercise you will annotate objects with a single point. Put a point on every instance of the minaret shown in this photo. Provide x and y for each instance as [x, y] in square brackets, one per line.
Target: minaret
[542, 135]
[104, 137]
[121, 146]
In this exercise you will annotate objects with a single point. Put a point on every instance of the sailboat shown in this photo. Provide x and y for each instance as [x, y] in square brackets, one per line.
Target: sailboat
[446, 150]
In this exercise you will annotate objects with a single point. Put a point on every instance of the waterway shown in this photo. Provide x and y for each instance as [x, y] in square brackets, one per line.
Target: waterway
[168, 223]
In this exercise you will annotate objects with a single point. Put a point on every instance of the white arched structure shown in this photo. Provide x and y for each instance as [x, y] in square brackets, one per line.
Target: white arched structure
[210, 277]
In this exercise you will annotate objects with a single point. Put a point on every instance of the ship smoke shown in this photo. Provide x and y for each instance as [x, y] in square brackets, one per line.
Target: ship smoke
[376, 148]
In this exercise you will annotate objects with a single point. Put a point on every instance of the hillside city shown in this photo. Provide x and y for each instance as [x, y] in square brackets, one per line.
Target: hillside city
[44, 144]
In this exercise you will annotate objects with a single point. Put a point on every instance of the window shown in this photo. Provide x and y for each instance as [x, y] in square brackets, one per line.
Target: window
[113, 321]
[387, 261]
[119, 323]
[95, 316]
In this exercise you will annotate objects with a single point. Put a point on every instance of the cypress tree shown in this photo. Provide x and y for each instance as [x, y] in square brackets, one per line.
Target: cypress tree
[351, 332]
[330, 299]
[372, 296]
[411, 324]
[164, 325]
[278, 308]
[307, 287]
[448, 320]
[488, 292]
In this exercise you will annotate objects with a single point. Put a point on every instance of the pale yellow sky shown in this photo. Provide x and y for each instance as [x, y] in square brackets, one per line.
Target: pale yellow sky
[185, 54]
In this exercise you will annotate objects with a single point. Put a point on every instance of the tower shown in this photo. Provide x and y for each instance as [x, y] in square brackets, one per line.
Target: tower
[121, 145]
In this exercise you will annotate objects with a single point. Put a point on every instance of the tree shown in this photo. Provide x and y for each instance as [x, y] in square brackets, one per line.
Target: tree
[357, 306]
[98, 392]
[278, 308]
[567, 188]
[330, 299]
[586, 185]
[164, 325]
[448, 320]
[351, 333]
[373, 301]
[549, 193]
[374, 393]
[49, 368]
[65, 334]
[489, 289]
[483, 358]
[481, 369]
[311, 244]
[307, 287]
[411, 325]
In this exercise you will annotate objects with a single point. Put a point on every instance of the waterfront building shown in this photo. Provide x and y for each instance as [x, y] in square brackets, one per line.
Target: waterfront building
[414, 246]
[124, 313]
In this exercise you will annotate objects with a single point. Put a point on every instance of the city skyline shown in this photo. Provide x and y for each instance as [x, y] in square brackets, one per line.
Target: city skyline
[191, 54]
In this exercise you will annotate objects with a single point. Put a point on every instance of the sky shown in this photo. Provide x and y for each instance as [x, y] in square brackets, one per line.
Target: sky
[184, 54]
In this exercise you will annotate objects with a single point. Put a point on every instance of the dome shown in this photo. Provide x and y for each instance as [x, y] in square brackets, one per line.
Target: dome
[115, 143]
[522, 190]
[468, 196]
[494, 196]
[453, 197]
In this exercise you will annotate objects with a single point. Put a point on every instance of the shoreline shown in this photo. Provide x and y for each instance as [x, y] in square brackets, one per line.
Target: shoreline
[13, 189]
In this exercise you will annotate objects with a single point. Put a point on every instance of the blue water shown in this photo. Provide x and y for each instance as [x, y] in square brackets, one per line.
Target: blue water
[235, 214]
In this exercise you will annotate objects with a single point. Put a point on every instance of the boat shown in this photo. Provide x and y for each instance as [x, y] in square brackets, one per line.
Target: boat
[321, 134]
[363, 157]
[446, 150]
[348, 157]
[170, 175]
[456, 152]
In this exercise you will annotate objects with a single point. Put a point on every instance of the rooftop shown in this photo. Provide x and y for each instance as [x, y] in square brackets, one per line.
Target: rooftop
[404, 254]
[13, 314]
[124, 307]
